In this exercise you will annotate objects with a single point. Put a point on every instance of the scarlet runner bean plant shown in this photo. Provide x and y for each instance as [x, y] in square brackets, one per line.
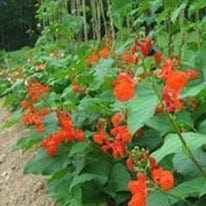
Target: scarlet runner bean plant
[120, 132]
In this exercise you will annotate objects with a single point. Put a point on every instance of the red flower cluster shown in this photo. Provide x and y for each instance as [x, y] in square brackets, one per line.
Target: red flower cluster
[103, 53]
[139, 191]
[34, 117]
[66, 132]
[124, 87]
[145, 46]
[139, 188]
[163, 178]
[92, 59]
[175, 81]
[129, 58]
[116, 141]
[36, 89]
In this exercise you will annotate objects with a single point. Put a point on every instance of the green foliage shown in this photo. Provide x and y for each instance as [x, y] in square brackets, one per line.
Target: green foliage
[172, 144]
[138, 115]
[89, 173]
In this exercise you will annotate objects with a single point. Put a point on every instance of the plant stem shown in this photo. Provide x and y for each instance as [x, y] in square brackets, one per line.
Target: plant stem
[173, 123]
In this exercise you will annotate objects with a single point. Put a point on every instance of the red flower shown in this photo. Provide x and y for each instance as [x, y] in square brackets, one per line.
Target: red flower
[171, 100]
[64, 120]
[66, 133]
[27, 105]
[104, 53]
[124, 87]
[100, 137]
[176, 80]
[163, 178]
[92, 59]
[32, 118]
[130, 164]
[137, 200]
[138, 188]
[146, 46]
[51, 151]
[118, 148]
[167, 69]
[129, 58]
[117, 119]
[78, 135]
[192, 74]
[157, 57]
[121, 133]
[36, 89]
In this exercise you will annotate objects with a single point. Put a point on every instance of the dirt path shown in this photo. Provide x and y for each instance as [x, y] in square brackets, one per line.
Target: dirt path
[17, 189]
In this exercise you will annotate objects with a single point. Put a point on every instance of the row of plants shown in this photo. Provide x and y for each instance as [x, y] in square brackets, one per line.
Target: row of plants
[119, 120]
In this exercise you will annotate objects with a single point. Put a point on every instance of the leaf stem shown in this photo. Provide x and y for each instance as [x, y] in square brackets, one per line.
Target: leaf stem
[186, 148]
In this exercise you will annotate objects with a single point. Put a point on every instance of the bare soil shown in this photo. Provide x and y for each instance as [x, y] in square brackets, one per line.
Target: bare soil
[17, 189]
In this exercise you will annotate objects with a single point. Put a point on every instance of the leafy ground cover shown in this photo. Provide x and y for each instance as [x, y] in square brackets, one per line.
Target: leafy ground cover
[119, 120]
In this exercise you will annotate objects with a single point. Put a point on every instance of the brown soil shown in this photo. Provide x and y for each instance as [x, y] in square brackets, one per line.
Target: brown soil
[17, 189]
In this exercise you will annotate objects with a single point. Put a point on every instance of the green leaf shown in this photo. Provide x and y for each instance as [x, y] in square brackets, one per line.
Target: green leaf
[50, 123]
[119, 179]
[78, 148]
[185, 166]
[172, 144]
[176, 12]
[160, 123]
[44, 165]
[102, 69]
[140, 109]
[193, 90]
[151, 139]
[202, 127]
[76, 195]
[15, 118]
[86, 177]
[183, 190]
[28, 142]
[59, 189]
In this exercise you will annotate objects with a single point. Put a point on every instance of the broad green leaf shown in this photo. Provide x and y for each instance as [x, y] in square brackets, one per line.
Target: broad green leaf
[177, 11]
[76, 195]
[202, 127]
[160, 198]
[78, 148]
[28, 142]
[15, 118]
[160, 123]
[203, 190]
[50, 123]
[44, 165]
[151, 139]
[59, 189]
[183, 190]
[119, 178]
[102, 69]
[172, 144]
[193, 90]
[86, 177]
[140, 109]
[185, 166]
